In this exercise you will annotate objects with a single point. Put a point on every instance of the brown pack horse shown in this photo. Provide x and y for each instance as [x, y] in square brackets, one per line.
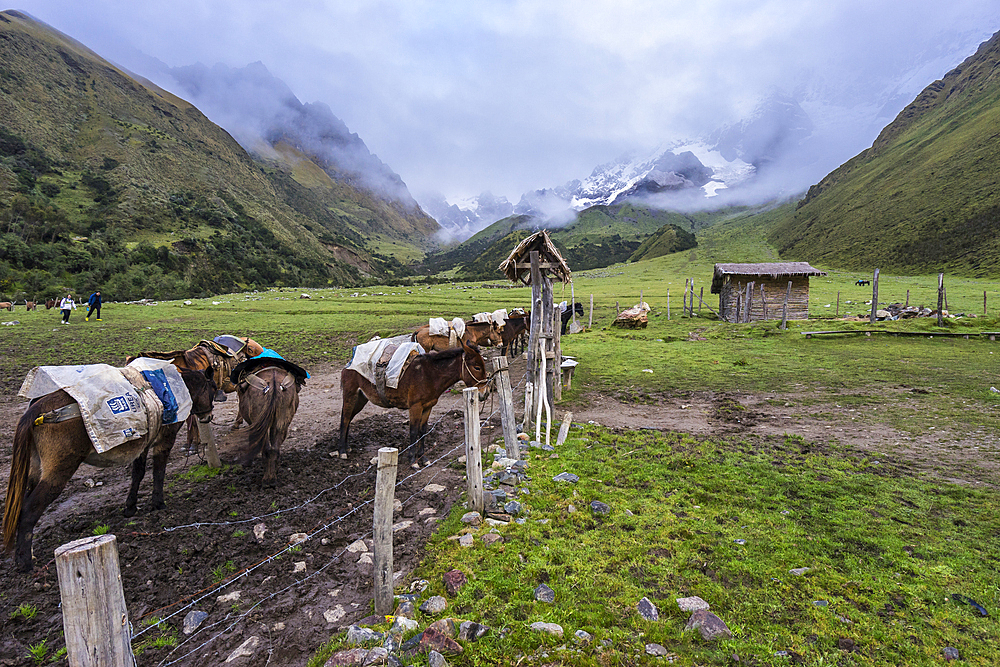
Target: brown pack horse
[47, 454]
[481, 334]
[206, 355]
[420, 386]
[514, 332]
[269, 396]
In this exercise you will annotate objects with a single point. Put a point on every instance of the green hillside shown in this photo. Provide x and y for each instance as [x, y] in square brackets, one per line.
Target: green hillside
[107, 181]
[924, 197]
[599, 236]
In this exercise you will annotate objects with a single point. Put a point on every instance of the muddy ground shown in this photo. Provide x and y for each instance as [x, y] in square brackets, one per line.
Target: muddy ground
[173, 560]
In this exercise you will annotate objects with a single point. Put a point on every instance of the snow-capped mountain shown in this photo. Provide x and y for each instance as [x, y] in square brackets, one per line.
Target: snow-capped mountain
[463, 218]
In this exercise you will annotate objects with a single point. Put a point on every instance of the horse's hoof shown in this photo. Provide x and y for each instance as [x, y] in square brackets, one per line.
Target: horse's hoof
[159, 506]
[129, 511]
[424, 461]
[415, 465]
[343, 455]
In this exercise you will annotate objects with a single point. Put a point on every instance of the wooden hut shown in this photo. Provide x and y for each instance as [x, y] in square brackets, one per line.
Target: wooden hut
[517, 266]
[753, 292]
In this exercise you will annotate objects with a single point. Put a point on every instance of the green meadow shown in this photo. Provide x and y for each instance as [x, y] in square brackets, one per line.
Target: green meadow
[887, 543]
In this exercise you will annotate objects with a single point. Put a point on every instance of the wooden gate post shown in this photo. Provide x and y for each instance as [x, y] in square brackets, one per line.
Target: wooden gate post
[529, 402]
[207, 436]
[784, 308]
[507, 420]
[385, 483]
[591, 325]
[95, 620]
[473, 451]
[940, 321]
[874, 296]
[536, 326]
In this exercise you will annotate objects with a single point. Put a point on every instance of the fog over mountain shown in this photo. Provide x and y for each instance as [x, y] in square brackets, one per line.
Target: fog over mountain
[463, 98]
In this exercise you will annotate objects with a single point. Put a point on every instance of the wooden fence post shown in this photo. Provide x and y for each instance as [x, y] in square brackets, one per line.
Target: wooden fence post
[507, 420]
[95, 620]
[874, 296]
[529, 391]
[701, 300]
[564, 428]
[684, 301]
[907, 298]
[784, 308]
[473, 452]
[385, 484]
[984, 303]
[668, 305]
[207, 435]
[940, 321]
[838, 304]
[591, 325]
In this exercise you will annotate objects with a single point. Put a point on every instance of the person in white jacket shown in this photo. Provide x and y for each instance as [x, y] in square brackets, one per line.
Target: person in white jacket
[66, 305]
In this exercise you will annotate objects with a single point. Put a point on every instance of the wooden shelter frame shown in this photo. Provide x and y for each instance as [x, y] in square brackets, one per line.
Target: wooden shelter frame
[535, 261]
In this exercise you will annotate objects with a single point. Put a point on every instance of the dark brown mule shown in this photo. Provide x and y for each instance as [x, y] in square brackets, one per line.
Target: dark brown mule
[269, 396]
[50, 303]
[46, 456]
[513, 333]
[420, 386]
[481, 334]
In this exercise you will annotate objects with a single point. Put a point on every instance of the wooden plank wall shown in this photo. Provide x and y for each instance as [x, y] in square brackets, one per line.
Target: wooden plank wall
[774, 293]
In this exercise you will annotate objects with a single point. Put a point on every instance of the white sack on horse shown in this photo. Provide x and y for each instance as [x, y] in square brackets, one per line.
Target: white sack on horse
[458, 325]
[367, 355]
[481, 317]
[438, 326]
[499, 316]
[114, 409]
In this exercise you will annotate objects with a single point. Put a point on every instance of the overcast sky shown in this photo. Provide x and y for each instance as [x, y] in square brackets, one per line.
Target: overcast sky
[512, 95]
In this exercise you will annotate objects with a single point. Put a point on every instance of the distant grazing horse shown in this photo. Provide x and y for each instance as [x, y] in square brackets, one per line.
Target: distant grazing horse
[30, 305]
[47, 454]
[481, 334]
[514, 332]
[50, 303]
[567, 315]
[420, 386]
[6, 305]
[862, 281]
[268, 389]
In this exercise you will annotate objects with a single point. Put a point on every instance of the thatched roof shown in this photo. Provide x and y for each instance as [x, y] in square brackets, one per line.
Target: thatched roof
[517, 266]
[774, 270]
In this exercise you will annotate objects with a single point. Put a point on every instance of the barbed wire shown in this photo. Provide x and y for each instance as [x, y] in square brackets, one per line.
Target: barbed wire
[200, 595]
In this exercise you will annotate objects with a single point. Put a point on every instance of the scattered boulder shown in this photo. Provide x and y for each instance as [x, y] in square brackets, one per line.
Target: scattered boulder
[193, 619]
[550, 628]
[358, 635]
[566, 477]
[245, 649]
[950, 653]
[472, 631]
[491, 538]
[466, 541]
[432, 639]
[656, 650]
[710, 626]
[545, 594]
[435, 659]
[472, 518]
[335, 614]
[453, 581]
[648, 610]
[599, 508]
[434, 605]
[350, 656]
[583, 636]
[799, 571]
[693, 603]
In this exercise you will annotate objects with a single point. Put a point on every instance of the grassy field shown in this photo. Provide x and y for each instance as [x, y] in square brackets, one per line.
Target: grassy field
[886, 545]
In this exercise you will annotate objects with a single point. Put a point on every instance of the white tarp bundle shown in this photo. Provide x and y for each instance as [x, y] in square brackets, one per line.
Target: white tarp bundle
[367, 355]
[113, 410]
[438, 326]
[499, 316]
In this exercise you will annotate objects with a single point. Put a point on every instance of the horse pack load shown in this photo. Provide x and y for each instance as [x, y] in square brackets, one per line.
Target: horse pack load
[382, 361]
[442, 327]
[116, 404]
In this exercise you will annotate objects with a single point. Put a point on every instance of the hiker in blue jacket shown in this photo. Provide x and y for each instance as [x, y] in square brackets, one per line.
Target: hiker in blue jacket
[95, 304]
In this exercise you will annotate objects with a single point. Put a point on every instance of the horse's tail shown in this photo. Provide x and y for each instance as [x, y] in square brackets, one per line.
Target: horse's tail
[260, 431]
[17, 484]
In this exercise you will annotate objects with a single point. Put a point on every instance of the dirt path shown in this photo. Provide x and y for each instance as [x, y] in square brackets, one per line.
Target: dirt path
[294, 608]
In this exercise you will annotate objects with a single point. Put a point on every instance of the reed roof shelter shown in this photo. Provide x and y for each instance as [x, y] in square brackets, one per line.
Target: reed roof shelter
[754, 292]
